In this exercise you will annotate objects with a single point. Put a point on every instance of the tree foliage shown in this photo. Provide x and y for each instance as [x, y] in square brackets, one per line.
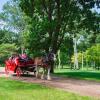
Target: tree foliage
[48, 20]
[6, 50]
[8, 37]
[91, 55]
[51, 19]
[12, 17]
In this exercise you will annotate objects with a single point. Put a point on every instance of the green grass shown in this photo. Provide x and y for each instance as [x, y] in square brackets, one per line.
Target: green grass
[15, 90]
[79, 74]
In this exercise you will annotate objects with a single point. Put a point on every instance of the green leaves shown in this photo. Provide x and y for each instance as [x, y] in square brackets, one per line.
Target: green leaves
[6, 50]
[8, 37]
[12, 16]
[42, 24]
[92, 54]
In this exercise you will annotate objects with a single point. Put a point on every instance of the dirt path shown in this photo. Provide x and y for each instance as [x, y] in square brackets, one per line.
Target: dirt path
[85, 88]
[82, 87]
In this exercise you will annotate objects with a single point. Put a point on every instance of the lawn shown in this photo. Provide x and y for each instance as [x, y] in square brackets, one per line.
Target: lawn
[15, 90]
[79, 74]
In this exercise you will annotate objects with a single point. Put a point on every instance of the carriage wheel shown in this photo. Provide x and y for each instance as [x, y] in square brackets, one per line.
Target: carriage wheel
[18, 71]
[6, 70]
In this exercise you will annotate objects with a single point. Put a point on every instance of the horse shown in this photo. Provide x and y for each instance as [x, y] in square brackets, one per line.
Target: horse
[44, 63]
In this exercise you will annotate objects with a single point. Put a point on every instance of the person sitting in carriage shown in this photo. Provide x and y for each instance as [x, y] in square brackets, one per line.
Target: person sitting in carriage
[25, 57]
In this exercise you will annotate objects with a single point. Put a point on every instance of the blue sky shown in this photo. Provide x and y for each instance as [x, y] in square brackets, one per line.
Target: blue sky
[2, 2]
[96, 9]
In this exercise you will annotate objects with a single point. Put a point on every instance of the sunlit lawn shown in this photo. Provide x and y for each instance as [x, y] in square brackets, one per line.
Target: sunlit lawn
[79, 74]
[15, 90]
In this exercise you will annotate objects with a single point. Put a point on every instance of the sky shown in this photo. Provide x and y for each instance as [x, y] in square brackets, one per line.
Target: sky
[2, 2]
[96, 9]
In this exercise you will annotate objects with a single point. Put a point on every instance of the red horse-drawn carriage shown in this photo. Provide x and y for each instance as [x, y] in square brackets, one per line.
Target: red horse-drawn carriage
[24, 64]
[19, 65]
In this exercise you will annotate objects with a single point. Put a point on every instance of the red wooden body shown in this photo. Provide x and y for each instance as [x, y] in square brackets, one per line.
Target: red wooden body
[23, 64]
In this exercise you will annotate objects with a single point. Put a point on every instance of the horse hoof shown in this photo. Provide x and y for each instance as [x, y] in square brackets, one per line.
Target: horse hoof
[49, 78]
[37, 76]
[42, 77]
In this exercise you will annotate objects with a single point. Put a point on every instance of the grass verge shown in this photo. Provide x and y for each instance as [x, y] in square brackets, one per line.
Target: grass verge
[79, 74]
[15, 90]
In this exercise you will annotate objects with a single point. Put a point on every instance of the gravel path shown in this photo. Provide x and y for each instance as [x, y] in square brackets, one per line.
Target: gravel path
[82, 87]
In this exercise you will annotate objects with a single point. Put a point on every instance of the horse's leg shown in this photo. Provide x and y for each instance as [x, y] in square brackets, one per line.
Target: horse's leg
[37, 71]
[43, 72]
[48, 73]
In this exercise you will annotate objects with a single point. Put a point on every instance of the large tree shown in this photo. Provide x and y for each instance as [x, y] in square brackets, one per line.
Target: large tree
[53, 18]
[50, 20]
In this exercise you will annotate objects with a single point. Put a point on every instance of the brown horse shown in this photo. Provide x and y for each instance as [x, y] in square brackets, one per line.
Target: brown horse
[45, 64]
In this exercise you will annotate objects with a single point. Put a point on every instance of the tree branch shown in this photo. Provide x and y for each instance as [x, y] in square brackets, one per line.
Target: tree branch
[44, 5]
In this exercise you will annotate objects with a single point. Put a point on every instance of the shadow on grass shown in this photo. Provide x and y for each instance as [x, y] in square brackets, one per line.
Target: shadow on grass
[81, 75]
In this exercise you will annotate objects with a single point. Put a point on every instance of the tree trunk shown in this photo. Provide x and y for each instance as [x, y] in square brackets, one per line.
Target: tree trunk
[82, 61]
[54, 41]
[59, 61]
[75, 54]
[52, 67]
